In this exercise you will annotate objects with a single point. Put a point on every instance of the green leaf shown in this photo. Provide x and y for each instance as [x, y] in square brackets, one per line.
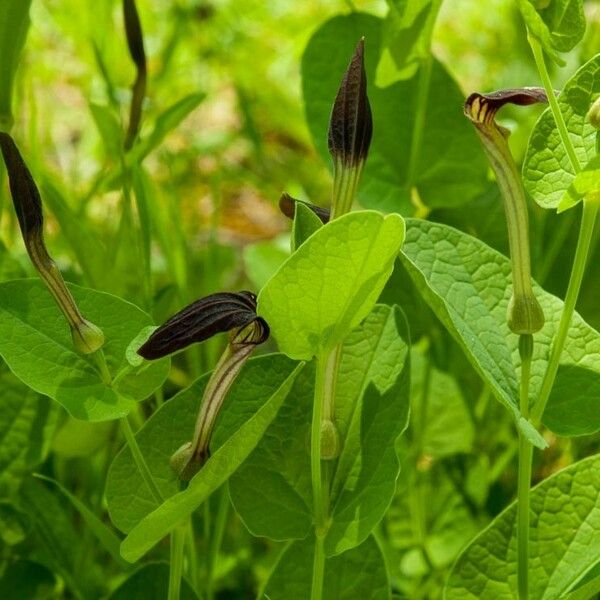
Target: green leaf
[215, 472]
[150, 582]
[165, 123]
[445, 423]
[27, 423]
[468, 286]
[262, 259]
[85, 243]
[77, 439]
[26, 579]
[547, 170]
[14, 23]
[36, 344]
[107, 538]
[55, 543]
[357, 573]
[451, 168]
[271, 491]
[587, 586]
[305, 224]
[128, 498]
[14, 523]
[559, 24]
[331, 282]
[565, 541]
[585, 182]
[146, 210]
[406, 39]
[110, 130]
[572, 408]
[375, 362]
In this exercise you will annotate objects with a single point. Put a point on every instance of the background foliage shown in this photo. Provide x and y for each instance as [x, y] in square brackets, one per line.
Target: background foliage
[236, 113]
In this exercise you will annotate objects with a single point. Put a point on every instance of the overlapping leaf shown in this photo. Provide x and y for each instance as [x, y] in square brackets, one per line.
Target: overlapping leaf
[14, 23]
[129, 500]
[331, 282]
[406, 38]
[27, 423]
[547, 171]
[468, 286]
[36, 344]
[357, 573]
[564, 546]
[558, 24]
[272, 492]
[215, 472]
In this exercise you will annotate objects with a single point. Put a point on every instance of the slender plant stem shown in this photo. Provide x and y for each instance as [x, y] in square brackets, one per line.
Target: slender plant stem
[315, 445]
[318, 568]
[524, 481]
[206, 522]
[317, 481]
[345, 184]
[588, 220]
[590, 211]
[139, 460]
[217, 539]
[176, 562]
[525, 464]
[192, 555]
[538, 55]
[330, 380]
[178, 535]
[100, 360]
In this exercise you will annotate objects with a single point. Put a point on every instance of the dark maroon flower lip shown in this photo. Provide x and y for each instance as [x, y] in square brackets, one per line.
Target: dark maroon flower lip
[287, 205]
[482, 108]
[351, 122]
[213, 314]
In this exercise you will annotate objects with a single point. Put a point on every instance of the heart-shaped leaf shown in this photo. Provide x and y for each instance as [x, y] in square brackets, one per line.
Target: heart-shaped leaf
[36, 344]
[565, 541]
[331, 282]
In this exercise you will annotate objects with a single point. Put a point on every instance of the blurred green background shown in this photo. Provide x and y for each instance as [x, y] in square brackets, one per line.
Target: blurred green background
[214, 183]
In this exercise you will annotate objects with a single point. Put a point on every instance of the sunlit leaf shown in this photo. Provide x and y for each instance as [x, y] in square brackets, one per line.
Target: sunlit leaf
[331, 282]
[565, 541]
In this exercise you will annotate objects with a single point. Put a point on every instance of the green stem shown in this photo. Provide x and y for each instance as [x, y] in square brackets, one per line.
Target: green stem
[315, 446]
[217, 539]
[330, 381]
[318, 569]
[538, 55]
[317, 479]
[192, 555]
[139, 460]
[176, 562]
[524, 481]
[345, 184]
[206, 523]
[100, 360]
[178, 535]
[588, 220]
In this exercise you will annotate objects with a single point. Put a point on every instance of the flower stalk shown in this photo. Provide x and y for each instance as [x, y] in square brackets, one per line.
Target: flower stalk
[87, 337]
[525, 315]
[233, 312]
